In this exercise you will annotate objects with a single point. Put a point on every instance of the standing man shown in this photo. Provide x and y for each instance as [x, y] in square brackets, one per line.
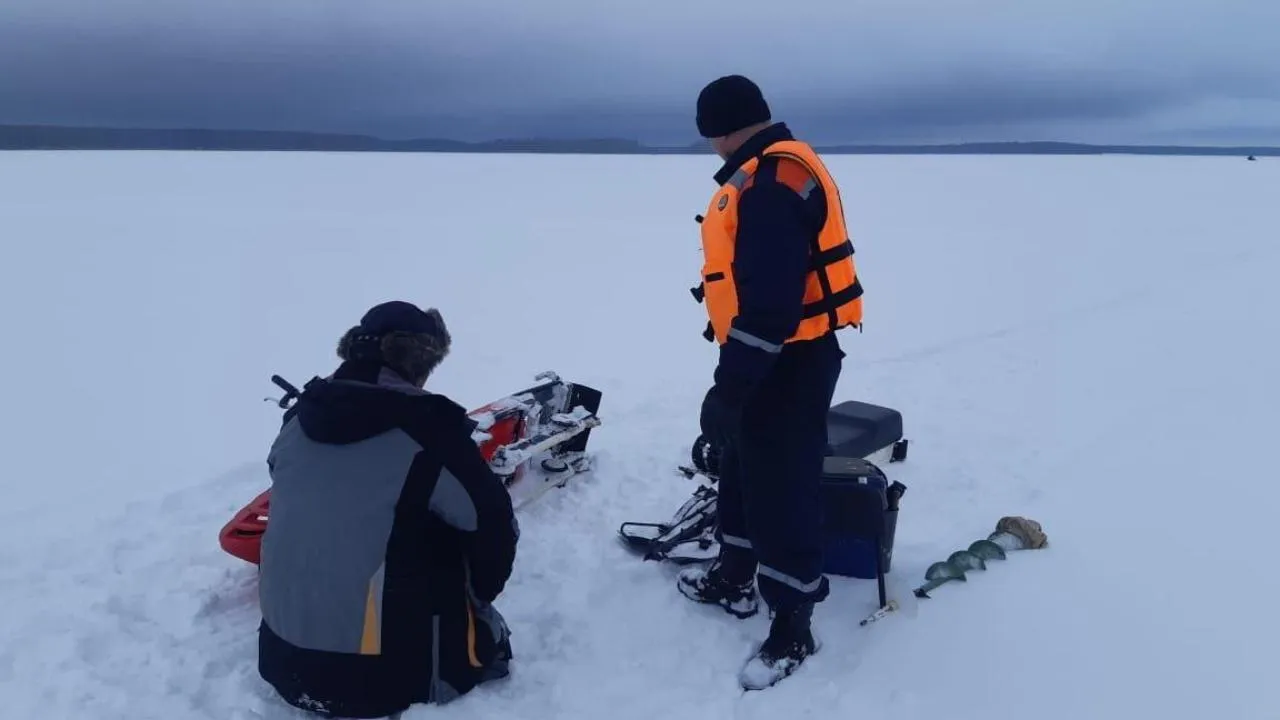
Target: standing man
[778, 280]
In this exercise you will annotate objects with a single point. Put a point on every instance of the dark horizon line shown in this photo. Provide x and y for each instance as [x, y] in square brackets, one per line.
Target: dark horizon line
[88, 137]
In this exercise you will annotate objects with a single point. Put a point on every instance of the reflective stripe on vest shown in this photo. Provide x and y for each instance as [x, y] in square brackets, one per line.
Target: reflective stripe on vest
[833, 292]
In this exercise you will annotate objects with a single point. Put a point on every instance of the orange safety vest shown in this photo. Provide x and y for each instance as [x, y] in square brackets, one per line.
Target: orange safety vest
[833, 293]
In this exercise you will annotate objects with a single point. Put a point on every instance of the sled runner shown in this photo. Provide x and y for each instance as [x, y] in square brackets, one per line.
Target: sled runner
[533, 440]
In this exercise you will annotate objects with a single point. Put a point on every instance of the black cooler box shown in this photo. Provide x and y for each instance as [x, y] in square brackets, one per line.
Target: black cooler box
[860, 517]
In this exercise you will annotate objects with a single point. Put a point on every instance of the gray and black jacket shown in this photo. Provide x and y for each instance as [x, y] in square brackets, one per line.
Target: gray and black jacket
[388, 540]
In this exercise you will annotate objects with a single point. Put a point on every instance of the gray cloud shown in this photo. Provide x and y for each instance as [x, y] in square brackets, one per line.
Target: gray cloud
[843, 71]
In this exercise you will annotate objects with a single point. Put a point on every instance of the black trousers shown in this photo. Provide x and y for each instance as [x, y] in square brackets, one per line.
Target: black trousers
[769, 509]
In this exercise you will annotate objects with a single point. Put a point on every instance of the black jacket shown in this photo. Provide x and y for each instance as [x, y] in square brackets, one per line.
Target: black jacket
[778, 228]
[387, 541]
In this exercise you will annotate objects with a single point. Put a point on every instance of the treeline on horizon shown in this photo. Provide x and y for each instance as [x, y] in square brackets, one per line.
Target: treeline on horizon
[55, 137]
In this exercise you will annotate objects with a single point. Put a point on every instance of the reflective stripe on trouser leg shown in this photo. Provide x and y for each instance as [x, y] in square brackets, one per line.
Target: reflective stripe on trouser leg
[800, 586]
[735, 541]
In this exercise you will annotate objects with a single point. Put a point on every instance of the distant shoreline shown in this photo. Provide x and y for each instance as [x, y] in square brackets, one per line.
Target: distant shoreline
[55, 137]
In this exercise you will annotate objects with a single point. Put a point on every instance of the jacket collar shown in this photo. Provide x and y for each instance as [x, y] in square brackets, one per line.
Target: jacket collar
[754, 146]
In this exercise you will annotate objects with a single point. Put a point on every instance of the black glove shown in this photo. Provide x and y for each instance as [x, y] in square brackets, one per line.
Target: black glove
[721, 417]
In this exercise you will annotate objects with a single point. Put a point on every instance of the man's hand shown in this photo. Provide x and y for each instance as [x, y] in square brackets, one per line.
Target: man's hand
[721, 417]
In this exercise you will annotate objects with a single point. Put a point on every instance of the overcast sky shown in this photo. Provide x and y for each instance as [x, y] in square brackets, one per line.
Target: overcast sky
[1205, 71]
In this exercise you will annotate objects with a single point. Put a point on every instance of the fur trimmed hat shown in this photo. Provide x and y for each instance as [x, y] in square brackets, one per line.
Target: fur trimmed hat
[400, 336]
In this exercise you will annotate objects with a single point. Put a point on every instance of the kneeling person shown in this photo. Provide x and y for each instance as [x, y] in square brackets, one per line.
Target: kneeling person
[389, 537]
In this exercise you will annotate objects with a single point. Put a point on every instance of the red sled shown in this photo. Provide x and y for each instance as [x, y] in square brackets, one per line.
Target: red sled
[533, 440]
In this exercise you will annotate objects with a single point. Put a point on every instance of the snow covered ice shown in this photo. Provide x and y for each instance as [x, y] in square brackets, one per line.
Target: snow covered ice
[1088, 341]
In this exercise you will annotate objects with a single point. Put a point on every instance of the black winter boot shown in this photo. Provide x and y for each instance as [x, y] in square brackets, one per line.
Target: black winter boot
[790, 641]
[714, 586]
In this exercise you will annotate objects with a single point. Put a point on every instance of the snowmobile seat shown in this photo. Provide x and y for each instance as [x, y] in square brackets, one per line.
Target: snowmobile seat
[861, 430]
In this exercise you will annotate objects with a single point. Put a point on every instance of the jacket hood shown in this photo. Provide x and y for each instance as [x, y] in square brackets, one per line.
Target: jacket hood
[360, 401]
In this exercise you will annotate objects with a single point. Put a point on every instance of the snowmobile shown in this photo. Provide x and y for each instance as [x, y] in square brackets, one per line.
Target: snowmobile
[533, 440]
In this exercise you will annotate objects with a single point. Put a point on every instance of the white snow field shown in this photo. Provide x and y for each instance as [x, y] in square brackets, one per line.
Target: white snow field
[1092, 342]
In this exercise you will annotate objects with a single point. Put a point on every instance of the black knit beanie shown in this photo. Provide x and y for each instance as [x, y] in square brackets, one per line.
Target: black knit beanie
[728, 104]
